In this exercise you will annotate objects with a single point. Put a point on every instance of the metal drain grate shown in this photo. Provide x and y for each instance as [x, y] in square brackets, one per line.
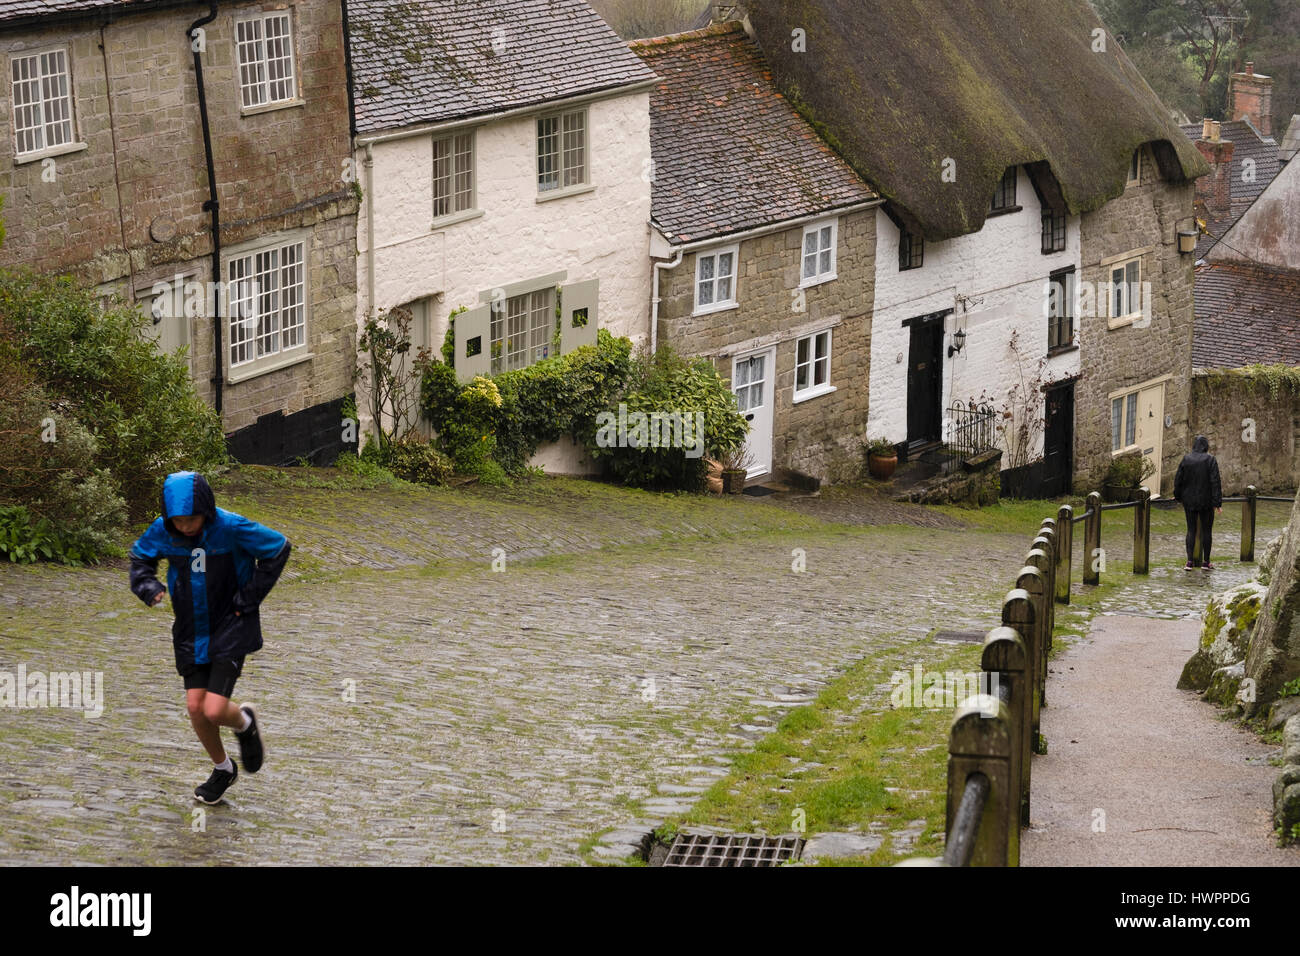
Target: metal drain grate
[732, 849]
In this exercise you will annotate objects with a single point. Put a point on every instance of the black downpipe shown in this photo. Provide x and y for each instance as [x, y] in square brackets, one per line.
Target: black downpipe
[212, 205]
[347, 63]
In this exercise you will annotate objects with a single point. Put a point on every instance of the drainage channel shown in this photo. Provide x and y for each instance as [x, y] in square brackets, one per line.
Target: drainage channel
[732, 849]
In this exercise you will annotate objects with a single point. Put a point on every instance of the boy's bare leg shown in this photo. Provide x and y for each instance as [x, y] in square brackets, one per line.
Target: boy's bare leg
[221, 712]
[209, 734]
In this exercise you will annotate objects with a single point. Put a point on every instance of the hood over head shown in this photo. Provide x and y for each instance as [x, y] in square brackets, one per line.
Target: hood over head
[1202, 444]
[187, 493]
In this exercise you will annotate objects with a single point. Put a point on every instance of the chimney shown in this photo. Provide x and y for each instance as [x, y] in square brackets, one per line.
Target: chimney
[1214, 192]
[1250, 96]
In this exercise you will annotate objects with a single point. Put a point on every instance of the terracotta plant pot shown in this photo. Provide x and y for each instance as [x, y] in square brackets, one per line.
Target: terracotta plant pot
[881, 468]
[733, 481]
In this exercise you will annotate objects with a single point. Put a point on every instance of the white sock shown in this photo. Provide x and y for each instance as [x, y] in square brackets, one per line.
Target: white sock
[248, 721]
[227, 765]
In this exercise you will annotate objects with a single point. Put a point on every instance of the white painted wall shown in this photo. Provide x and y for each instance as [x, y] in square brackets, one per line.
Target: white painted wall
[1003, 269]
[603, 234]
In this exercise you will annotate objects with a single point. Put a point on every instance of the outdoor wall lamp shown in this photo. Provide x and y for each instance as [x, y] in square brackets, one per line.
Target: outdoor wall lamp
[958, 343]
[1187, 241]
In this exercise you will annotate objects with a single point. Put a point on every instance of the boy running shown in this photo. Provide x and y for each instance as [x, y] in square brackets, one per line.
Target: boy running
[220, 567]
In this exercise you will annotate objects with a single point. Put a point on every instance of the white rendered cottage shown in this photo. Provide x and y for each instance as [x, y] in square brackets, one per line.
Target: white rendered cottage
[503, 150]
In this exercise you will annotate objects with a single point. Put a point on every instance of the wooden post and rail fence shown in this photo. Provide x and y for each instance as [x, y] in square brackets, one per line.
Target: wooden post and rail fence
[995, 735]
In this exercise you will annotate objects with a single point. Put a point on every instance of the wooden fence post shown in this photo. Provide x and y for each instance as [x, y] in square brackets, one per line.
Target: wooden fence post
[1142, 533]
[1018, 613]
[1041, 558]
[982, 744]
[1064, 552]
[1092, 540]
[1005, 660]
[1050, 538]
[1248, 524]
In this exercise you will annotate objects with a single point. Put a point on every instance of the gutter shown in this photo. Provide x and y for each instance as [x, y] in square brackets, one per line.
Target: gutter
[660, 263]
[212, 206]
[533, 109]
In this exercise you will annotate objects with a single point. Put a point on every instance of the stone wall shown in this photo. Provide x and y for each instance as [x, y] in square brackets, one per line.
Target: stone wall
[1147, 217]
[820, 437]
[1273, 657]
[125, 210]
[1255, 436]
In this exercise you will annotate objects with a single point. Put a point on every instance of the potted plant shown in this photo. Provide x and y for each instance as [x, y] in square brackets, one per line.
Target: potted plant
[882, 458]
[735, 464]
[1125, 476]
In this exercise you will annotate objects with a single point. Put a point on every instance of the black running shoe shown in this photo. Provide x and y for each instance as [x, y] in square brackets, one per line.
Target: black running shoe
[250, 742]
[217, 784]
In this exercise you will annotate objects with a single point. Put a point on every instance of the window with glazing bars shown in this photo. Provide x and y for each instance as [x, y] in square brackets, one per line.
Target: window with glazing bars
[522, 330]
[266, 302]
[453, 174]
[562, 151]
[42, 101]
[1123, 421]
[911, 251]
[1060, 309]
[1053, 231]
[1004, 197]
[265, 46]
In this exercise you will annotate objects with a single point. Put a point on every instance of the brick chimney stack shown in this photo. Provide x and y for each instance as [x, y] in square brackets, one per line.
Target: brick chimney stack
[1250, 96]
[1214, 192]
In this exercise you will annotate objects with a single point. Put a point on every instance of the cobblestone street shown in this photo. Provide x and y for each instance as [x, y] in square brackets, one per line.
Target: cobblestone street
[632, 643]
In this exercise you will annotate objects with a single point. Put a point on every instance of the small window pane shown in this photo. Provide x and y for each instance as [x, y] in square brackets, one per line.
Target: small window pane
[1116, 423]
[1130, 421]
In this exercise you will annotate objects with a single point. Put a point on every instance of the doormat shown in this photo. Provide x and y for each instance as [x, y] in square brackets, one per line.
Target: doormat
[759, 491]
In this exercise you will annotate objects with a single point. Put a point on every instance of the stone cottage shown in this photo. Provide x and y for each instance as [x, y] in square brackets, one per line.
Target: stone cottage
[192, 160]
[503, 149]
[764, 244]
[1034, 192]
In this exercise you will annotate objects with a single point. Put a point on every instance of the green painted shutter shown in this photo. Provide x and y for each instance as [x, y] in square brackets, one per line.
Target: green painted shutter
[474, 328]
[580, 306]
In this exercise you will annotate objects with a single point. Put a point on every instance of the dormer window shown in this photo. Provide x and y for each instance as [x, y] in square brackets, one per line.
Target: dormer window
[911, 251]
[1004, 197]
[1053, 231]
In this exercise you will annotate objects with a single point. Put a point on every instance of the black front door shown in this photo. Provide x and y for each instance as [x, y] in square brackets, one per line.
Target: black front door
[925, 382]
[1058, 441]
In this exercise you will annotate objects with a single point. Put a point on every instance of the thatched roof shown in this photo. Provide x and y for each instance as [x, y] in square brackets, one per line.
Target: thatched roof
[898, 86]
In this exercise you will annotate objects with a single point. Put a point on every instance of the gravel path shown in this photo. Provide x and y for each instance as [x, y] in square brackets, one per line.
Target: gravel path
[1175, 785]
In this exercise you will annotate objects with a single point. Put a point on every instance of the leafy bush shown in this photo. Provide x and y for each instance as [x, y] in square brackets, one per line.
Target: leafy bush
[139, 404]
[491, 427]
[1129, 471]
[48, 469]
[413, 459]
[666, 382]
[26, 538]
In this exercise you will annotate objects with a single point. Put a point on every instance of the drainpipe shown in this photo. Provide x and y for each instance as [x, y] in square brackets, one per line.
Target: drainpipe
[211, 206]
[654, 298]
[369, 200]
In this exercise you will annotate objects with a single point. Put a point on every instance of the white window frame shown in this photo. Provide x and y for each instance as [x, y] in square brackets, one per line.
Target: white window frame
[44, 104]
[564, 161]
[812, 390]
[714, 254]
[537, 318]
[455, 211]
[815, 229]
[260, 67]
[1127, 402]
[1129, 288]
[239, 297]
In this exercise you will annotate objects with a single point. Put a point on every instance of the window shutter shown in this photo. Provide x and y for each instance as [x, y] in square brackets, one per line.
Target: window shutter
[474, 327]
[580, 305]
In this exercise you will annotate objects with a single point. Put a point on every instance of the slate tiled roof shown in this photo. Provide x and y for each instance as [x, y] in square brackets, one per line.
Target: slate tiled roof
[1246, 144]
[421, 61]
[1245, 314]
[14, 10]
[730, 152]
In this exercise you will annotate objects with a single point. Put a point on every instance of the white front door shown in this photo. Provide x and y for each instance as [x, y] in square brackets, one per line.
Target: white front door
[752, 381]
[1150, 430]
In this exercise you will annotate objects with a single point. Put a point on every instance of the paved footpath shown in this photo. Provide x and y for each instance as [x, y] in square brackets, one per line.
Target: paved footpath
[1177, 786]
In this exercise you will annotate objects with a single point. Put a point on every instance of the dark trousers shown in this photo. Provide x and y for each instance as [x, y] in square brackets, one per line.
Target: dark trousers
[1207, 528]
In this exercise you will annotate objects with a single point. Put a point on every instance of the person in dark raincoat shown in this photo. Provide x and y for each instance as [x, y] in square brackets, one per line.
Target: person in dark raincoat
[1198, 487]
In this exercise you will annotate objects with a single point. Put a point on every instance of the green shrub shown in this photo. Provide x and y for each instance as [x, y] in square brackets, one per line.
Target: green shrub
[48, 466]
[414, 459]
[139, 404]
[492, 427]
[666, 382]
[26, 538]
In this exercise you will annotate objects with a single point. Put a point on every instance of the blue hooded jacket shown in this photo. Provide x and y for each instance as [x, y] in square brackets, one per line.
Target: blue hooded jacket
[229, 566]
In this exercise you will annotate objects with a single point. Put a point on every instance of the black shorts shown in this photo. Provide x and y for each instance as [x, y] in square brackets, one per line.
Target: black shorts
[216, 677]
